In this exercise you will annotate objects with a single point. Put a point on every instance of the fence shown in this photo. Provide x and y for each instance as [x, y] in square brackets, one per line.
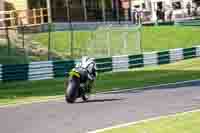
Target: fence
[64, 40]
[25, 43]
[25, 34]
[53, 69]
[188, 22]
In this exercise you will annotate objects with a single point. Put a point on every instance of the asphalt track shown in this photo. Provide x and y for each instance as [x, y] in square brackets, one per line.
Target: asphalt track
[101, 111]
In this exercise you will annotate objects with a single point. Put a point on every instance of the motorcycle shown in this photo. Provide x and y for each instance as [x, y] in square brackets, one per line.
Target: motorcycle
[78, 85]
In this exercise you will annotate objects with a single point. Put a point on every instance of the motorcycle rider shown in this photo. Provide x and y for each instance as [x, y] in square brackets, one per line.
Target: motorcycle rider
[89, 65]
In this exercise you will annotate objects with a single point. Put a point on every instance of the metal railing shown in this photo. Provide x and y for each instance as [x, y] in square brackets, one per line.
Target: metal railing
[29, 17]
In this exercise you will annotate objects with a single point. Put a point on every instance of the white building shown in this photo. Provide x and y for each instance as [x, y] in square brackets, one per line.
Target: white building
[178, 7]
[1, 9]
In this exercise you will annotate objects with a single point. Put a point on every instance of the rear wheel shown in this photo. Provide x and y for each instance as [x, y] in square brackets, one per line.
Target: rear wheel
[71, 92]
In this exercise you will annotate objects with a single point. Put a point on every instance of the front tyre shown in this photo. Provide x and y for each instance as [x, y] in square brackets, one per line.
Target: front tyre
[86, 94]
[85, 97]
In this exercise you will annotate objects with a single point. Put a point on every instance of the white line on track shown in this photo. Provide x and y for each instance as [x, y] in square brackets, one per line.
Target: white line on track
[142, 121]
[32, 102]
[153, 86]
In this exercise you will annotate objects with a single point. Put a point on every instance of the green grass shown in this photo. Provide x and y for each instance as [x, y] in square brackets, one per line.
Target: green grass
[187, 123]
[169, 37]
[14, 57]
[13, 92]
[94, 42]
[153, 39]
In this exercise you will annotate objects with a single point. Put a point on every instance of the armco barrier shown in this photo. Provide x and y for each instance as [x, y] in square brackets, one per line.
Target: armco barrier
[192, 22]
[120, 63]
[40, 70]
[136, 61]
[53, 69]
[176, 55]
[150, 58]
[61, 68]
[104, 64]
[198, 51]
[15, 72]
[163, 57]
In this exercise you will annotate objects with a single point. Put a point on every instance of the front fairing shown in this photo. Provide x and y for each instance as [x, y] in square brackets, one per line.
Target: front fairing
[74, 73]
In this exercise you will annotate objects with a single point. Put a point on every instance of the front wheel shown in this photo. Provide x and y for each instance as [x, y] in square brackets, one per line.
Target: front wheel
[86, 94]
[86, 97]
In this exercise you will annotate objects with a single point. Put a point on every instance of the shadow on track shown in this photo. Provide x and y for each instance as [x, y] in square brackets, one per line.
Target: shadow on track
[101, 100]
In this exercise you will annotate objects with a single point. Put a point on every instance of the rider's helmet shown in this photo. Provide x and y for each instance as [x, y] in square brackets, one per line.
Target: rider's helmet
[90, 65]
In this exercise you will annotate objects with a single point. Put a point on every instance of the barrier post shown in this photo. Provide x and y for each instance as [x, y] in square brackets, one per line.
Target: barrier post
[41, 16]
[49, 41]
[12, 18]
[8, 39]
[34, 16]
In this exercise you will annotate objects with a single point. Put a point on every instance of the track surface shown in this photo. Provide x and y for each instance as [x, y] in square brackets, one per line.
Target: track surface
[102, 111]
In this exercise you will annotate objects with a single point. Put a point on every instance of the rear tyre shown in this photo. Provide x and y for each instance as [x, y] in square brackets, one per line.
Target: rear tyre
[71, 92]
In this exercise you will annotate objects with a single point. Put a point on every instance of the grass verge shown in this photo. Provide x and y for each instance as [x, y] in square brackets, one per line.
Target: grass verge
[17, 92]
[181, 123]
